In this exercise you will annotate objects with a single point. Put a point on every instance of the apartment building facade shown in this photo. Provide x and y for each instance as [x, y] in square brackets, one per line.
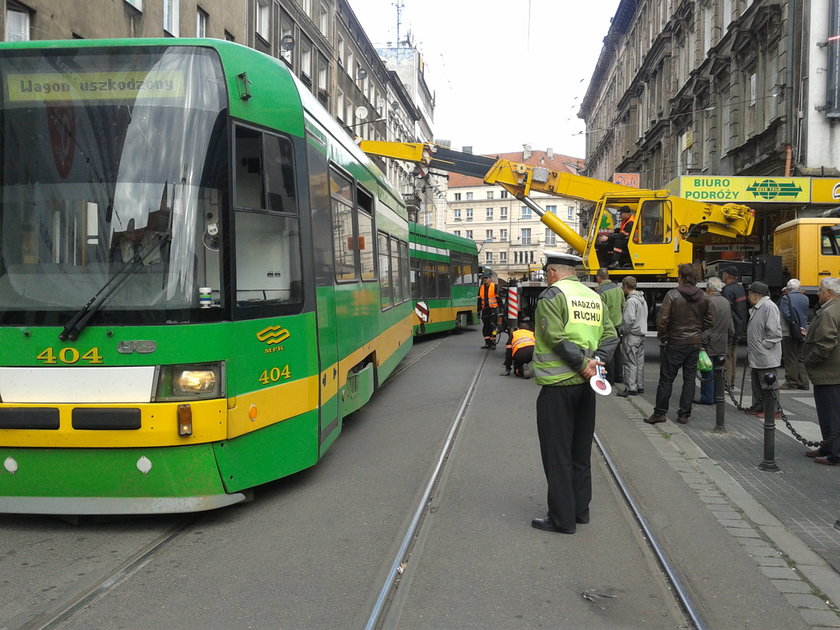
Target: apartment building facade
[510, 236]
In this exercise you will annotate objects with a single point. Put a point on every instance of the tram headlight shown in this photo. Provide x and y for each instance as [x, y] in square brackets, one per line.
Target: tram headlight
[189, 382]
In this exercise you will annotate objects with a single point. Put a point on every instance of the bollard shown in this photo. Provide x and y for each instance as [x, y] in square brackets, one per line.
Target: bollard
[769, 384]
[720, 404]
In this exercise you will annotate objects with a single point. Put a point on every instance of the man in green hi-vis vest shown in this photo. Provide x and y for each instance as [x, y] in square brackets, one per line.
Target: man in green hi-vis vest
[573, 337]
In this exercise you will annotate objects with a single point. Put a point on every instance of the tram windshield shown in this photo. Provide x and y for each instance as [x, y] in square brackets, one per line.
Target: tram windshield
[114, 164]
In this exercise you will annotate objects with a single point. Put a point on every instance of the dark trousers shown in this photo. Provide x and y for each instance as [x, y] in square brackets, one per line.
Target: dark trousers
[566, 426]
[795, 374]
[522, 356]
[757, 382]
[673, 359]
[488, 321]
[827, 401]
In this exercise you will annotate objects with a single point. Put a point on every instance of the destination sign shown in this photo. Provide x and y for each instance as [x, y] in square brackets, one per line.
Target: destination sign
[55, 87]
[746, 189]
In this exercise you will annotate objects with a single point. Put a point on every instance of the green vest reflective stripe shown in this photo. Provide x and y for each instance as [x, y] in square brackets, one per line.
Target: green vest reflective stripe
[584, 326]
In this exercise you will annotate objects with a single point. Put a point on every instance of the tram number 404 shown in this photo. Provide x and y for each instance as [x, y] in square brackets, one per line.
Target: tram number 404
[69, 356]
[275, 374]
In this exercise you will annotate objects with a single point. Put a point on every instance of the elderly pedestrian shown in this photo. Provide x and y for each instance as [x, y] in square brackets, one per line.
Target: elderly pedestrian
[822, 360]
[733, 291]
[683, 316]
[764, 343]
[573, 336]
[793, 308]
[632, 333]
[613, 298]
[716, 339]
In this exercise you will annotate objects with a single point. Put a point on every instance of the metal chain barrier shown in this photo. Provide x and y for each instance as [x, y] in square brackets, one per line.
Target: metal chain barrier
[784, 418]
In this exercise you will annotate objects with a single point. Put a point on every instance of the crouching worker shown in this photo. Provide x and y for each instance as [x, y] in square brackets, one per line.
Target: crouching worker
[519, 351]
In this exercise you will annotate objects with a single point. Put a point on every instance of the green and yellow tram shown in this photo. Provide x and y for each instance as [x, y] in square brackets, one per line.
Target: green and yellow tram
[200, 276]
[444, 280]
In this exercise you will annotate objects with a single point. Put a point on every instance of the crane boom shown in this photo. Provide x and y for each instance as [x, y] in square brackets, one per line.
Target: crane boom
[662, 225]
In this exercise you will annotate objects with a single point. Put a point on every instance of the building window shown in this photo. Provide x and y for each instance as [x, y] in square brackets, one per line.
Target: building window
[263, 19]
[469, 234]
[489, 214]
[171, 11]
[201, 23]
[526, 212]
[503, 214]
[488, 258]
[306, 5]
[456, 214]
[457, 196]
[489, 194]
[339, 50]
[504, 195]
[550, 237]
[503, 234]
[488, 235]
[469, 196]
[526, 236]
[324, 20]
[503, 257]
[551, 209]
[17, 25]
[469, 214]
[306, 63]
[457, 232]
[570, 213]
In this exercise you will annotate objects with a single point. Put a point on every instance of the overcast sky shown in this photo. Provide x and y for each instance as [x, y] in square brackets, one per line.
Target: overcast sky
[504, 72]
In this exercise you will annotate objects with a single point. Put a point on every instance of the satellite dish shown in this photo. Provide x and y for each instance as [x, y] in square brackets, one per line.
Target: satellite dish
[361, 112]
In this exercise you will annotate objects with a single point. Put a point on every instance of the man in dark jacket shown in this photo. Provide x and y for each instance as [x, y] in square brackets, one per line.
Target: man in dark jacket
[737, 296]
[793, 307]
[683, 316]
[717, 338]
[822, 360]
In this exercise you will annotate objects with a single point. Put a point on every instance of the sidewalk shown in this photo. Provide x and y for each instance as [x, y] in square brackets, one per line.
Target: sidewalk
[793, 510]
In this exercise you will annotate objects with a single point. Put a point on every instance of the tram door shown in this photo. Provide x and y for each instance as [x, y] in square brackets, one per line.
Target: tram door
[325, 288]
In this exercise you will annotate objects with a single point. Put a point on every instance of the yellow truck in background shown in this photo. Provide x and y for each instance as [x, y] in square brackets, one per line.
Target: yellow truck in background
[809, 250]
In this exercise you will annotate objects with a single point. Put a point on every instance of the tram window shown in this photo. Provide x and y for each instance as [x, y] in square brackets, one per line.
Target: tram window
[830, 241]
[444, 280]
[268, 259]
[429, 283]
[416, 289]
[365, 243]
[344, 237]
[405, 277]
[280, 175]
[386, 291]
[249, 185]
[396, 281]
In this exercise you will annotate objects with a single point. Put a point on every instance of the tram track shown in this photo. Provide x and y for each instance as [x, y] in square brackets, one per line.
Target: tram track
[60, 612]
[383, 615]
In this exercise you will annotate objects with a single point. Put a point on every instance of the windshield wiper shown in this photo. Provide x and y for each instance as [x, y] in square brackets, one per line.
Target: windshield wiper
[81, 319]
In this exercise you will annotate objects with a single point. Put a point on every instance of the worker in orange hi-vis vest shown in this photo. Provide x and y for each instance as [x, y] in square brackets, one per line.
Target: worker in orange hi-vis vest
[488, 309]
[519, 351]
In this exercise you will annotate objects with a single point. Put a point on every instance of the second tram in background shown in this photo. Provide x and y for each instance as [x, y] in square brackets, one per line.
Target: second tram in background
[444, 280]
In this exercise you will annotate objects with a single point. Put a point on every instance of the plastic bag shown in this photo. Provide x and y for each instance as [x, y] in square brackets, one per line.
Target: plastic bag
[704, 363]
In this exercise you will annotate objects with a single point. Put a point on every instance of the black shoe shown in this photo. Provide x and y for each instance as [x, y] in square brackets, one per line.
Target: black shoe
[582, 520]
[641, 390]
[627, 393]
[547, 525]
[700, 402]
[683, 419]
[655, 419]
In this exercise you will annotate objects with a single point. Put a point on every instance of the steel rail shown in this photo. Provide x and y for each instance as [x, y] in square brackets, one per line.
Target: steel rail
[682, 595]
[51, 618]
[379, 610]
